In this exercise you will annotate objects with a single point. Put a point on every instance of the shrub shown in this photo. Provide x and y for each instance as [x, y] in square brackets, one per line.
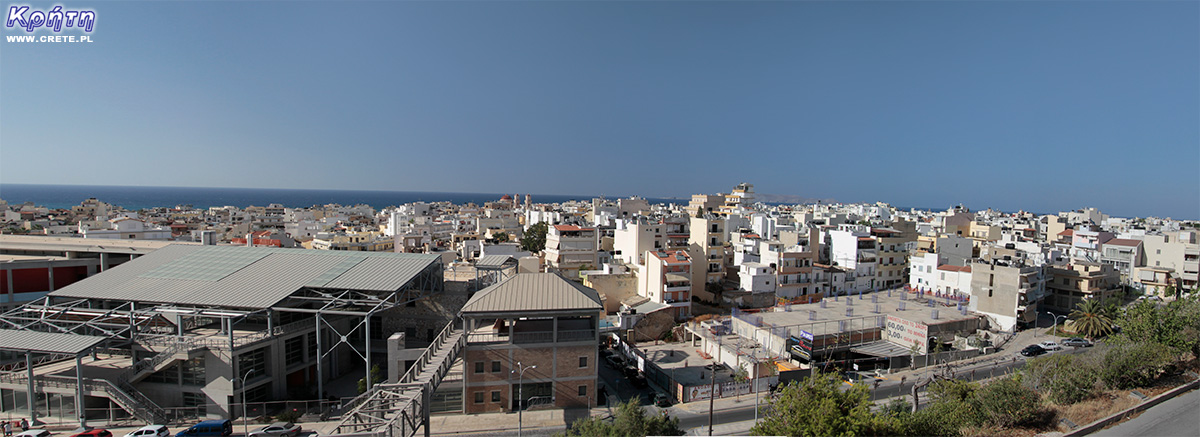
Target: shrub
[1065, 379]
[1133, 365]
[1007, 403]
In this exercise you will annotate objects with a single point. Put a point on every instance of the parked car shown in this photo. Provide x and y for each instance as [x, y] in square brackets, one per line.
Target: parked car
[631, 371]
[277, 429]
[94, 432]
[150, 431]
[614, 361]
[208, 428]
[639, 381]
[34, 433]
[1076, 342]
[1032, 350]
[662, 400]
[1050, 346]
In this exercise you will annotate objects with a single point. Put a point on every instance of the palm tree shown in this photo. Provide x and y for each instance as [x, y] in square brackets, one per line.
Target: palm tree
[1091, 318]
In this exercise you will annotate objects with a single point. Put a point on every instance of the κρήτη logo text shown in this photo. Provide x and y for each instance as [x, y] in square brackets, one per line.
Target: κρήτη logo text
[54, 19]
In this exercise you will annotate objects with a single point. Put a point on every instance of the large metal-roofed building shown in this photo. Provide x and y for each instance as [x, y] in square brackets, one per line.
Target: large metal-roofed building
[194, 330]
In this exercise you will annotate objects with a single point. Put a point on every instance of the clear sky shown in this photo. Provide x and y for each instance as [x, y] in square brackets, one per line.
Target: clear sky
[1042, 106]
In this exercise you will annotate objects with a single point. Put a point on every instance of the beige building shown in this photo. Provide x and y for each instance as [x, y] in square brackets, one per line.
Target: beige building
[702, 204]
[1179, 251]
[892, 243]
[707, 251]
[1007, 291]
[368, 241]
[1080, 280]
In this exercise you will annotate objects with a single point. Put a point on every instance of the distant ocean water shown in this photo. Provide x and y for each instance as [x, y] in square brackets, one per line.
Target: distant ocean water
[134, 198]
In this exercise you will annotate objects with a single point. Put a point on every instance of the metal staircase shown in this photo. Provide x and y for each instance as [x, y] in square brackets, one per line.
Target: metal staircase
[128, 398]
[399, 409]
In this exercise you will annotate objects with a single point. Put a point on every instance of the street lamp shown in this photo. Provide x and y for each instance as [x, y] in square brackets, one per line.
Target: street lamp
[1054, 330]
[245, 419]
[520, 392]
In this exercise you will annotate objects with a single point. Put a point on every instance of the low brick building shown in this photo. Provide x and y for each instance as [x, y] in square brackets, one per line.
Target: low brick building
[531, 319]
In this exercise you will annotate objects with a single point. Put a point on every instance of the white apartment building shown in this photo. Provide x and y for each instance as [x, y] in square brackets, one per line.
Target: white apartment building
[667, 279]
[1179, 251]
[126, 228]
[569, 247]
[852, 247]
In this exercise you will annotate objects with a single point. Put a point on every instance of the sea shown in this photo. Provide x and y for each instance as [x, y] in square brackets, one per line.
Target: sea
[136, 198]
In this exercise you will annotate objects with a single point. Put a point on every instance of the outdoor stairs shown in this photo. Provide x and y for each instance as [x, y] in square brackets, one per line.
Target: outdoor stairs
[175, 353]
[127, 397]
[399, 409]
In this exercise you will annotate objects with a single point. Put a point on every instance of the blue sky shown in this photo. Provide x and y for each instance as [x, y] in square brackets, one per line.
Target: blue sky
[1041, 106]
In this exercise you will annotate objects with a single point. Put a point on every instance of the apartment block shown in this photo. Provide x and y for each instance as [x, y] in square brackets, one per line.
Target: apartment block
[569, 247]
[1008, 292]
[1080, 280]
[667, 279]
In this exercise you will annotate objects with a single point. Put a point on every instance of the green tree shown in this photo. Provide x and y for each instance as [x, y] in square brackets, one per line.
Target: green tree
[376, 377]
[535, 237]
[817, 406]
[630, 419]
[1090, 319]
[500, 237]
[1175, 326]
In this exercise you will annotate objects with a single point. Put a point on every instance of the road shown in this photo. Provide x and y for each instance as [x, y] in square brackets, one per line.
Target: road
[1176, 417]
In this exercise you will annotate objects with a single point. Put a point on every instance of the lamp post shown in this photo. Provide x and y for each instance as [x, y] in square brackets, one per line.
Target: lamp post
[1054, 330]
[245, 420]
[520, 371]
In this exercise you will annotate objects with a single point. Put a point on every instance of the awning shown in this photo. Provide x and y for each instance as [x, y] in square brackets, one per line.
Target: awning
[676, 277]
[46, 342]
[882, 349]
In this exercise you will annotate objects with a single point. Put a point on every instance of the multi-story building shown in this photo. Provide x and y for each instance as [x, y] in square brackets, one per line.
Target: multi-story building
[707, 250]
[703, 204]
[1179, 251]
[1072, 283]
[852, 247]
[667, 279]
[531, 340]
[739, 200]
[893, 244]
[1123, 254]
[569, 247]
[1008, 292]
[368, 241]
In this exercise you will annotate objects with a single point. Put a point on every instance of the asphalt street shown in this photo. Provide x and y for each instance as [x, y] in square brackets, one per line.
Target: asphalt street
[1175, 417]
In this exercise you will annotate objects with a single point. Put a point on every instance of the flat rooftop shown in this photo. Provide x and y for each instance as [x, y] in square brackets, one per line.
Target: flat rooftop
[76, 244]
[683, 362]
[916, 309]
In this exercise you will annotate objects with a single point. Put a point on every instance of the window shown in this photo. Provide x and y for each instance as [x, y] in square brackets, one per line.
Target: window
[255, 360]
[583, 390]
[312, 345]
[193, 372]
[495, 367]
[495, 395]
[582, 362]
[479, 367]
[196, 401]
[294, 350]
[479, 397]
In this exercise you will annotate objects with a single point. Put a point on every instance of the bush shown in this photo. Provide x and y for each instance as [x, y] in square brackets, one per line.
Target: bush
[289, 416]
[1065, 379]
[1007, 403]
[1133, 365]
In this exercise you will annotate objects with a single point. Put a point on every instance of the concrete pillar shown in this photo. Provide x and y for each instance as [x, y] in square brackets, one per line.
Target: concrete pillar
[50, 272]
[103, 261]
[367, 347]
[30, 396]
[320, 371]
[79, 410]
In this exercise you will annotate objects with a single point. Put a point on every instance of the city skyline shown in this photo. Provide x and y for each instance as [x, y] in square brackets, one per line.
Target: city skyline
[1016, 106]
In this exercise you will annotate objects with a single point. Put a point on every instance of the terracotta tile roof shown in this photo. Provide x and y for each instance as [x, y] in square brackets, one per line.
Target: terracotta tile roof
[1067, 232]
[1124, 242]
[570, 228]
[950, 268]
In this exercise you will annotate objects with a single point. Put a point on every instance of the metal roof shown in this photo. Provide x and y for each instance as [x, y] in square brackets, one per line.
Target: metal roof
[74, 244]
[533, 292]
[882, 348]
[47, 342]
[246, 277]
[493, 261]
